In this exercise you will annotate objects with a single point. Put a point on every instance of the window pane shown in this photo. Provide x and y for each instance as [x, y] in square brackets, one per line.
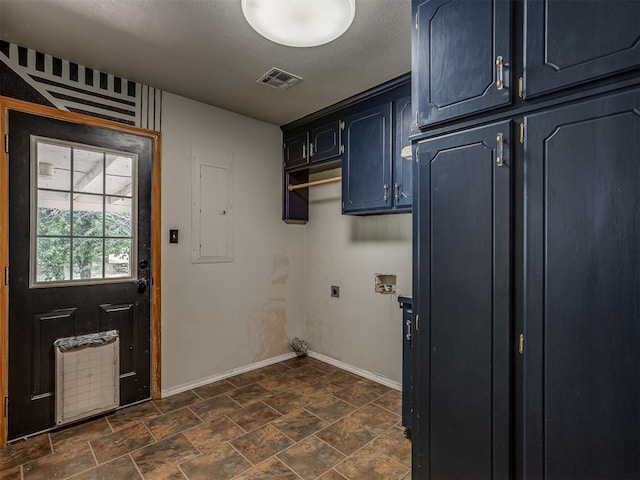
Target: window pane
[87, 216]
[54, 165]
[117, 217]
[53, 257]
[88, 172]
[87, 258]
[83, 215]
[117, 260]
[119, 175]
[53, 213]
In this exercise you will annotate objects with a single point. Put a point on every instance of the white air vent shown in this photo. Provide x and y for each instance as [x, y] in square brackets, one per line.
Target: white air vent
[279, 79]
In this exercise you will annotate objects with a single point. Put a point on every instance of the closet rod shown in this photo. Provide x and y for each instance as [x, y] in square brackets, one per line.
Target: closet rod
[313, 184]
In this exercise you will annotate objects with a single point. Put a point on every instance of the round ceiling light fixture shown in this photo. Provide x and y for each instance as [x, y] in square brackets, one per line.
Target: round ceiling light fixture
[299, 23]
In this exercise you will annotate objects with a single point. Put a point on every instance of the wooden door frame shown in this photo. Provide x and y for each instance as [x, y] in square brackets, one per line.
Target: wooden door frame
[7, 104]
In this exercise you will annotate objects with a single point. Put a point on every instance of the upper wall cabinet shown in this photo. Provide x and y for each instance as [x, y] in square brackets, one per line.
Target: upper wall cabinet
[366, 164]
[402, 156]
[296, 150]
[568, 43]
[324, 142]
[312, 146]
[369, 136]
[461, 55]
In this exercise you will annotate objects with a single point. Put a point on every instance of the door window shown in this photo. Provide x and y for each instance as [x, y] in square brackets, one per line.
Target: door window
[83, 213]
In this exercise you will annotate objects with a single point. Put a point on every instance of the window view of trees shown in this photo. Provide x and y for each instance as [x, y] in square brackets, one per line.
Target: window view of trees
[84, 204]
[55, 245]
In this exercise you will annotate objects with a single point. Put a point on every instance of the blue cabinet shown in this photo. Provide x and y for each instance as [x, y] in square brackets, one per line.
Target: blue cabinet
[313, 145]
[461, 404]
[402, 154]
[296, 150]
[366, 164]
[569, 43]
[366, 135]
[324, 142]
[526, 271]
[376, 178]
[456, 44]
[582, 321]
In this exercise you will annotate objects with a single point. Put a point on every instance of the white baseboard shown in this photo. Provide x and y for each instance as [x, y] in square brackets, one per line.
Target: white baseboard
[215, 378]
[357, 371]
[280, 358]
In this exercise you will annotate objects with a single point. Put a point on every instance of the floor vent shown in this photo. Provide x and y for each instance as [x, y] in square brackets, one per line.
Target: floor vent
[87, 375]
[279, 79]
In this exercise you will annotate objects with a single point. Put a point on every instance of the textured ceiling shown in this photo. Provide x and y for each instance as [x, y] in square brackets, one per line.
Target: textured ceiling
[205, 50]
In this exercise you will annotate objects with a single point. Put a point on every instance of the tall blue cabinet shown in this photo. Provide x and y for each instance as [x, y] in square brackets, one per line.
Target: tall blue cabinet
[526, 295]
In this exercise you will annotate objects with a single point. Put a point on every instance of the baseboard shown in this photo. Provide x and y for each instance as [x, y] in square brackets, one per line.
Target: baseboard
[236, 371]
[357, 371]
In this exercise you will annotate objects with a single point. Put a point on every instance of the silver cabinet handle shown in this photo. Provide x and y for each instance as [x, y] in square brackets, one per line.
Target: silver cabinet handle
[386, 192]
[311, 150]
[408, 334]
[304, 151]
[397, 189]
[500, 150]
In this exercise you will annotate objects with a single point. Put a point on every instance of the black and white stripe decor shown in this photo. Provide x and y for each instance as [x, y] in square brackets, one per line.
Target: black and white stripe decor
[75, 88]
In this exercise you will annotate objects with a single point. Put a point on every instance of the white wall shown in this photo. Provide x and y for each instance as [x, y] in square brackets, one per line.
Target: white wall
[361, 328]
[217, 317]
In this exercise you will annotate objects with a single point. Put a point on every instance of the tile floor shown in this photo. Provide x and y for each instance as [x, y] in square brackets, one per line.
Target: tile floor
[299, 419]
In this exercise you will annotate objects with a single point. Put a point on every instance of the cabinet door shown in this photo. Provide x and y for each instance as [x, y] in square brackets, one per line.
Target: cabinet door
[461, 381]
[366, 163]
[324, 142]
[295, 150]
[582, 291]
[402, 166]
[455, 48]
[570, 42]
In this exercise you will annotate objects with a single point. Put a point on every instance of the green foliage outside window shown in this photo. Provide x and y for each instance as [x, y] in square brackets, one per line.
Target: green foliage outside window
[54, 252]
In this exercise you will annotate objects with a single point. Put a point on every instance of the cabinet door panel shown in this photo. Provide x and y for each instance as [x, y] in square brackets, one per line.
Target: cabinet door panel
[572, 41]
[324, 142]
[454, 57]
[295, 150]
[582, 307]
[462, 389]
[402, 167]
[366, 164]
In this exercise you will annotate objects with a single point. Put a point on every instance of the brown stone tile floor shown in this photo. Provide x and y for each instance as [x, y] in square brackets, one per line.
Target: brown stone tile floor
[298, 419]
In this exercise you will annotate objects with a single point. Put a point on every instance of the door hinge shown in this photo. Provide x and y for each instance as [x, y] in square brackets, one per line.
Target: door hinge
[521, 344]
[6, 407]
[6, 143]
[341, 125]
[6, 275]
[522, 133]
[417, 322]
[417, 150]
[521, 87]
[417, 20]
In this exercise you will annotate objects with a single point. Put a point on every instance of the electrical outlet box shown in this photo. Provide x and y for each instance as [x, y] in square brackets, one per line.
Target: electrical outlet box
[335, 291]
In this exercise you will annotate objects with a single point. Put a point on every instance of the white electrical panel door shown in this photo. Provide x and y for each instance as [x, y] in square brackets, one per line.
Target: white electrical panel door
[212, 210]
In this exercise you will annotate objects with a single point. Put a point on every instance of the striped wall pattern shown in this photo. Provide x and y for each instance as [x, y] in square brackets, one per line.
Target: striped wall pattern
[75, 88]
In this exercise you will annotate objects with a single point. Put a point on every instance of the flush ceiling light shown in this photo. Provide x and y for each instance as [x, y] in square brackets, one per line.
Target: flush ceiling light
[299, 23]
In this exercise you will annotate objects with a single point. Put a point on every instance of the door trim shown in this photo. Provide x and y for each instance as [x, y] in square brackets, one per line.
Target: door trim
[7, 104]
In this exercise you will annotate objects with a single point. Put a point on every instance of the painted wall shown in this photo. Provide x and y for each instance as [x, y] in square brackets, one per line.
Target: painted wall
[217, 317]
[361, 328]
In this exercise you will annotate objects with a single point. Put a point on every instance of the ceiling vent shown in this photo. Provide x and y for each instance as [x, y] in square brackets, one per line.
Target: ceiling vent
[279, 79]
